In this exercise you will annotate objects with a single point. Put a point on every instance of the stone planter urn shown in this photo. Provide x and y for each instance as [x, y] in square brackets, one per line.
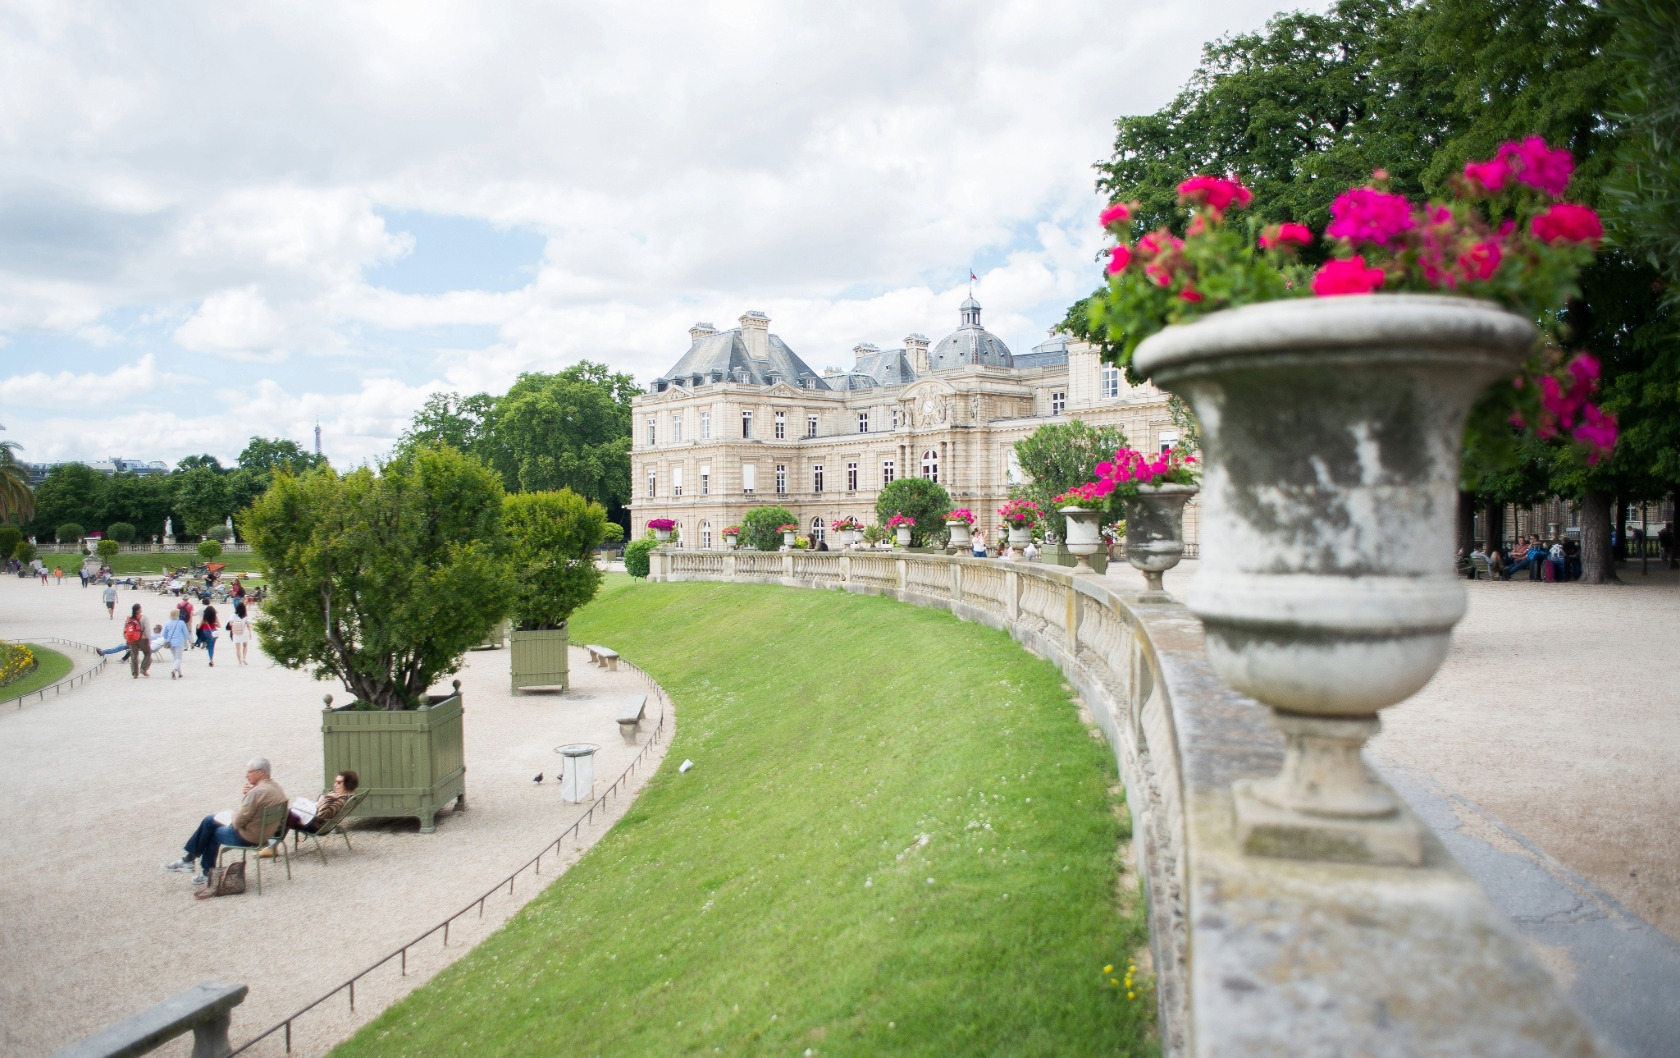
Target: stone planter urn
[787, 540]
[1331, 430]
[1019, 537]
[538, 659]
[1155, 533]
[903, 535]
[959, 535]
[1084, 536]
[662, 535]
[730, 541]
[411, 763]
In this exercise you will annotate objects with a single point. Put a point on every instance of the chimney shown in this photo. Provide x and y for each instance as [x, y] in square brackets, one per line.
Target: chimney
[863, 349]
[916, 346]
[699, 331]
[755, 332]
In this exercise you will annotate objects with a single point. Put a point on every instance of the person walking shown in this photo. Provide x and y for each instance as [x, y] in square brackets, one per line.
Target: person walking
[239, 632]
[176, 635]
[207, 633]
[139, 644]
[110, 601]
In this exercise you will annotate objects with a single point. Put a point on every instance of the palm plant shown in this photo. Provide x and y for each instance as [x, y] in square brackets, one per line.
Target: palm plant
[17, 499]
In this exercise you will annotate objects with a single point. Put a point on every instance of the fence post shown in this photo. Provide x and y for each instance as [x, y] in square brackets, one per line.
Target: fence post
[903, 572]
[1012, 595]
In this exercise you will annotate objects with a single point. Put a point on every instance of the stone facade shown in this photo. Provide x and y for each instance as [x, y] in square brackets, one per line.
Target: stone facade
[742, 422]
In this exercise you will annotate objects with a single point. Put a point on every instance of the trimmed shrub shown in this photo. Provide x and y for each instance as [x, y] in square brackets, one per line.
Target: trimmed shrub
[121, 532]
[218, 533]
[24, 552]
[9, 540]
[636, 558]
[69, 533]
[761, 528]
[916, 498]
[553, 536]
[209, 550]
[107, 550]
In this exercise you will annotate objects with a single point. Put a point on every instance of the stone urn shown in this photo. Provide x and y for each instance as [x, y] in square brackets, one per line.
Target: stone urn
[903, 534]
[848, 539]
[729, 542]
[959, 537]
[662, 535]
[1019, 537]
[1084, 536]
[1331, 431]
[1155, 533]
[787, 541]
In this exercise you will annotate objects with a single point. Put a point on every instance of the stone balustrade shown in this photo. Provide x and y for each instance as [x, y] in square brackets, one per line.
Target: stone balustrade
[1254, 956]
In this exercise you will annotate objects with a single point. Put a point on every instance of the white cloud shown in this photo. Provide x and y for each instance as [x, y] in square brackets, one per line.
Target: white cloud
[219, 172]
[125, 383]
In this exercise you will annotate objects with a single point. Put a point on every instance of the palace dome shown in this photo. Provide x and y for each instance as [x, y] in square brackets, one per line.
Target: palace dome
[970, 344]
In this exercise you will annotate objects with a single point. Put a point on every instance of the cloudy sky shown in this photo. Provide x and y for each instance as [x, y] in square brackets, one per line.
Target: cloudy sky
[219, 220]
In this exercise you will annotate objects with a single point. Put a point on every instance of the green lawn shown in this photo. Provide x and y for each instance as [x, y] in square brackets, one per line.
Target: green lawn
[141, 562]
[50, 667]
[781, 896]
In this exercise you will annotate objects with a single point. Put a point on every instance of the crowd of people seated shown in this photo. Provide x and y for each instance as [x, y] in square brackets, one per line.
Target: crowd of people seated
[1557, 561]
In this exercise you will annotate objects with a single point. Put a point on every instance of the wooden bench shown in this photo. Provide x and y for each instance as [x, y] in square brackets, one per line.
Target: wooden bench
[630, 717]
[603, 656]
[205, 1010]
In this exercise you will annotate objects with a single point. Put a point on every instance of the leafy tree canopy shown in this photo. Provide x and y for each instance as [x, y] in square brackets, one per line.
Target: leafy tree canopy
[1059, 456]
[636, 561]
[203, 462]
[70, 533]
[553, 536]
[9, 539]
[121, 532]
[267, 455]
[760, 527]
[382, 580]
[450, 419]
[201, 498]
[925, 501]
[568, 430]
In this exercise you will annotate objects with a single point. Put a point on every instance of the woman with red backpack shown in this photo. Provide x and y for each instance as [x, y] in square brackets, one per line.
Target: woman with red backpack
[139, 643]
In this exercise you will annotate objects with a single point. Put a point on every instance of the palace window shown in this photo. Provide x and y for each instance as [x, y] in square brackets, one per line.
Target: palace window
[706, 535]
[930, 465]
[705, 426]
[1167, 440]
[652, 429]
[706, 480]
[676, 481]
[746, 425]
[887, 467]
[1058, 403]
[818, 530]
[810, 426]
[781, 479]
[851, 477]
[863, 422]
[1110, 381]
[816, 478]
[749, 473]
[895, 418]
[781, 425]
[653, 483]
[676, 428]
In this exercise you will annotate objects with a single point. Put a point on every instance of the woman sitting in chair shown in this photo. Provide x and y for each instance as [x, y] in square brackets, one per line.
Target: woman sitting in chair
[326, 809]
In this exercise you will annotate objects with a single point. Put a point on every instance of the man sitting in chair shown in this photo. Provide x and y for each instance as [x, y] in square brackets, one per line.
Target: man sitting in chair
[261, 791]
[326, 809]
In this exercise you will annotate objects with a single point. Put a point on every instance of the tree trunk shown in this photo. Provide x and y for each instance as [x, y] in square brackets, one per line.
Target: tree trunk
[1466, 521]
[1496, 527]
[1674, 516]
[1598, 563]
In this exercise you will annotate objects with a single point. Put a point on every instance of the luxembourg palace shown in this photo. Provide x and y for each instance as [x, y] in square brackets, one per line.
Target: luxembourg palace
[741, 422]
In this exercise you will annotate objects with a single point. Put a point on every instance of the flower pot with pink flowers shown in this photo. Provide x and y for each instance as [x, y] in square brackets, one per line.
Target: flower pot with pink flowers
[901, 526]
[958, 525]
[1083, 507]
[1019, 517]
[731, 537]
[661, 528]
[849, 528]
[788, 535]
[1151, 493]
[1334, 404]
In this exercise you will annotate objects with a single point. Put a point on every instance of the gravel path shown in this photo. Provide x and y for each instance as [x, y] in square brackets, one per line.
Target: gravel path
[106, 783]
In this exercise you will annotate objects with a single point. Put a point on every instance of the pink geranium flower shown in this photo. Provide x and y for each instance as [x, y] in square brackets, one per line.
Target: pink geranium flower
[1487, 178]
[1192, 296]
[1118, 259]
[1366, 217]
[1214, 193]
[1284, 236]
[1119, 213]
[1534, 164]
[1565, 222]
[1346, 277]
[1481, 261]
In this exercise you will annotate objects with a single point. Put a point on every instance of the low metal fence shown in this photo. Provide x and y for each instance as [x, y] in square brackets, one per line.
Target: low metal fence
[534, 864]
[61, 686]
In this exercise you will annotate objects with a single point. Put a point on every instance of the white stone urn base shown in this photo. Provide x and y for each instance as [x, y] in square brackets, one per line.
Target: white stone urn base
[729, 543]
[787, 540]
[959, 536]
[1331, 433]
[1019, 538]
[662, 535]
[1084, 535]
[1155, 534]
[903, 536]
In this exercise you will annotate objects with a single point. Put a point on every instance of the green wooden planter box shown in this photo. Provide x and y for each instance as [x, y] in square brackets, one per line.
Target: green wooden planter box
[410, 763]
[494, 640]
[1061, 556]
[539, 659]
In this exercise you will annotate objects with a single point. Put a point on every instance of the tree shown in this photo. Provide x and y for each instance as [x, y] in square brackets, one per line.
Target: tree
[69, 533]
[108, 550]
[270, 455]
[10, 536]
[201, 500]
[918, 498]
[209, 550]
[636, 560]
[71, 492]
[1059, 456]
[450, 419]
[553, 536]
[141, 501]
[382, 580]
[121, 532]
[203, 462]
[761, 527]
[570, 430]
[24, 552]
[17, 499]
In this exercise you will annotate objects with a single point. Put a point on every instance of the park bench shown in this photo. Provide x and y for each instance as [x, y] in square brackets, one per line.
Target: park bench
[630, 717]
[205, 1010]
[603, 656]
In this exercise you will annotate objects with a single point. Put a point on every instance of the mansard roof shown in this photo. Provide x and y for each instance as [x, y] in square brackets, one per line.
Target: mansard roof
[887, 367]
[723, 357]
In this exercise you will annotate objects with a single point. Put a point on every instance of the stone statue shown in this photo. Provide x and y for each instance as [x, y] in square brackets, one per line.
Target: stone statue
[168, 527]
[230, 526]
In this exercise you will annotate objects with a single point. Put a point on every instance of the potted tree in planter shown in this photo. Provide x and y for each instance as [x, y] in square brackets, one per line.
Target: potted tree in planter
[1020, 516]
[552, 536]
[383, 581]
[1332, 430]
[661, 528]
[902, 527]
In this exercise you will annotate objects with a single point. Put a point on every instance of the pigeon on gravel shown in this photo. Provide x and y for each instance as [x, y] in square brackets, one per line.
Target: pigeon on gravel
[538, 779]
